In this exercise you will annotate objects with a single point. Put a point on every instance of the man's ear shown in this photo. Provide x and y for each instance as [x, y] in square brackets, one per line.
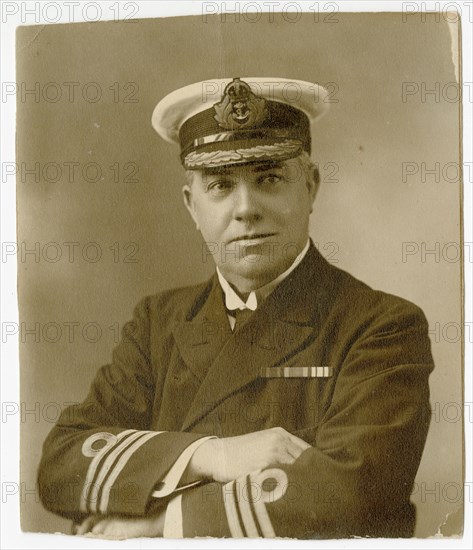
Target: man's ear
[314, 184]
[189, 203]
[316, 176]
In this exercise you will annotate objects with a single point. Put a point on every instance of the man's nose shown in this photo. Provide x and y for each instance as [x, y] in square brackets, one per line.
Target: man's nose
[247, 207]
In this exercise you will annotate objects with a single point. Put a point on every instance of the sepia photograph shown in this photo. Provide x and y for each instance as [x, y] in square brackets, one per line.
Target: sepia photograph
[240, 275]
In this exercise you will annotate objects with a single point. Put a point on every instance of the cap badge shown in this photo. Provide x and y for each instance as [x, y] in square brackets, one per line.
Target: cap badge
[240, 107]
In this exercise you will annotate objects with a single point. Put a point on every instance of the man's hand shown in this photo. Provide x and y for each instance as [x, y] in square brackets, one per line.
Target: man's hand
[117, 527]
[229, 458]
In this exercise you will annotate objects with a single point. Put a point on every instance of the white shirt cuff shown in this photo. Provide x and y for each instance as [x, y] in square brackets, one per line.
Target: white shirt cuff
[171, 480]
[173, 520]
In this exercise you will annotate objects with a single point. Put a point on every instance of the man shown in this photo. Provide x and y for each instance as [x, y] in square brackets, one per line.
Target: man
[281, 398]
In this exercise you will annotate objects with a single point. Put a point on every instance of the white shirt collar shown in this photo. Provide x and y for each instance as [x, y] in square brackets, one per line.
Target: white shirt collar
[233, 301]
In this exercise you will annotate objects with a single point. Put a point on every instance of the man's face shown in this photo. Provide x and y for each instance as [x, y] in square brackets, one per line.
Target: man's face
[254, 218]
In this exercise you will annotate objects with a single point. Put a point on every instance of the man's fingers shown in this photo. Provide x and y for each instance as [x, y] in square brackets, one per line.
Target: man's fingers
[98, 528]
[303, 445]
[295, 440]
[86, 525]
[108, 527]
[294, 450]
[286, 457]
[120, 527]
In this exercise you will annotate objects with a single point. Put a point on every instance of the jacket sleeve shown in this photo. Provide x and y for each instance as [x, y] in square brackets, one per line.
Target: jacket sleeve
[357, 478]
[101, 457]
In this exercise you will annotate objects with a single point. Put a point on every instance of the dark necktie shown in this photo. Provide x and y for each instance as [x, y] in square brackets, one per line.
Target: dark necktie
[241, 315]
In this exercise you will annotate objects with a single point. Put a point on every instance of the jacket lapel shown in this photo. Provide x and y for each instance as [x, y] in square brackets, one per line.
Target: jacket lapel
[285, 324]
[201, 336]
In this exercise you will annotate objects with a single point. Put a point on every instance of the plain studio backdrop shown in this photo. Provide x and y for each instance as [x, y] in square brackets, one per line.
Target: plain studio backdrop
[101, 221]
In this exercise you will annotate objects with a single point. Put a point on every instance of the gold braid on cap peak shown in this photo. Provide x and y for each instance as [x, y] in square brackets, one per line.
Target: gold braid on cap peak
[286, 149]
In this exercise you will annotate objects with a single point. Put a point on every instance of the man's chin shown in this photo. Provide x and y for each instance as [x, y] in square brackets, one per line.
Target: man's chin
[256, 267]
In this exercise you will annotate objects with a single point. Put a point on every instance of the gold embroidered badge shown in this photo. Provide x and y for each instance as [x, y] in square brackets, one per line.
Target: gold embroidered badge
[240, 107]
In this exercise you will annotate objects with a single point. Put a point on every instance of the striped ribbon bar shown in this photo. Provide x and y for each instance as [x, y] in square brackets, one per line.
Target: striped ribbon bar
[297, 372]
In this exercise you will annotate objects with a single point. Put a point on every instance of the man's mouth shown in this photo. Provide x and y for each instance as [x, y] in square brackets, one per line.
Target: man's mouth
[251, 237]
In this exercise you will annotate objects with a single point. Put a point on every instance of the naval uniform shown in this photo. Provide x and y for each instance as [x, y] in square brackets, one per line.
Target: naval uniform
[340, 365]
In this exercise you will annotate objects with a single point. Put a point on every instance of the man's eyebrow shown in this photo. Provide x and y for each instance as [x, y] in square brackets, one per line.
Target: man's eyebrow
[217, 171]
[270, 165]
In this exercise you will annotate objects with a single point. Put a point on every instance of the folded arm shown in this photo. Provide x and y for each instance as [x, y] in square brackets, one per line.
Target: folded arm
[353, 477]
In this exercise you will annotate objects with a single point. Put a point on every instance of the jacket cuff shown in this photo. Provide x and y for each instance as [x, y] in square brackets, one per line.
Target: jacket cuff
[121, 477]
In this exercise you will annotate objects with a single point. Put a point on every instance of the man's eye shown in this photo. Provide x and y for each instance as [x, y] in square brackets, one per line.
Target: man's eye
[219, 185]
[271, 179]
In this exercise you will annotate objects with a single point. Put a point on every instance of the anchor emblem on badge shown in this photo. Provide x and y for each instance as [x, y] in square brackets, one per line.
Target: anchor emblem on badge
[240, 107]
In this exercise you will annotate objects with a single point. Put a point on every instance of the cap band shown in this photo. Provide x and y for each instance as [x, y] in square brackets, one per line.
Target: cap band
[242, 135]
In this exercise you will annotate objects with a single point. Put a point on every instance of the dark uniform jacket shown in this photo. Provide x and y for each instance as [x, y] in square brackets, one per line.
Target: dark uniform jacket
[179, 373]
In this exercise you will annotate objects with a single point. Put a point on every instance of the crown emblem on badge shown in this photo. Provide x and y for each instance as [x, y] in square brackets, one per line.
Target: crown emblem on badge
[240, 107]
